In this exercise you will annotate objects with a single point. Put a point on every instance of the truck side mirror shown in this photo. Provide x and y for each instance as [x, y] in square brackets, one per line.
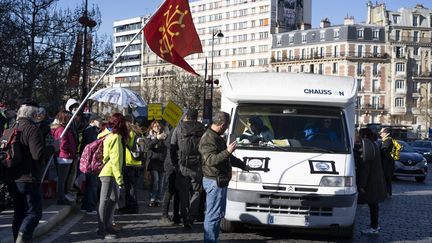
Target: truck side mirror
[369, 150]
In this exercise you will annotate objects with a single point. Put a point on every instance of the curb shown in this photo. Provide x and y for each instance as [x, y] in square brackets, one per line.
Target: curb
[51, 217]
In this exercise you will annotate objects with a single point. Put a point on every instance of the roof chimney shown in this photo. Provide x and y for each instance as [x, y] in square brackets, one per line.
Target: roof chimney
[349, 20]
[305, 26]
[325, 23]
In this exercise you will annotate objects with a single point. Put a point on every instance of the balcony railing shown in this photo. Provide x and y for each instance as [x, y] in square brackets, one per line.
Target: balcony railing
[316, 56]
[425, 40]
[372, 107]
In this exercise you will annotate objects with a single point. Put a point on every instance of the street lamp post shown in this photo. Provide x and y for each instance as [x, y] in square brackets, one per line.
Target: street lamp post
[219, 34]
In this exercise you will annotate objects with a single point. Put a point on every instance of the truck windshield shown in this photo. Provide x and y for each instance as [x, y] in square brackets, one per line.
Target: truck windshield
[290, 128]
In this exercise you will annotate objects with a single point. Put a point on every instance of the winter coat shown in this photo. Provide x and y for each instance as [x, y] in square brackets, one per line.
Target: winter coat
[130, 161]
[68, 143]
[113, 156]
[157, 152]
[370, 177]
[387, 159]
[34, 152]
[216, 158]
[89, 135]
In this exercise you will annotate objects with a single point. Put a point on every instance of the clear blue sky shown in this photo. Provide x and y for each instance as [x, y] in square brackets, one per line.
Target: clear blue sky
[335, 10]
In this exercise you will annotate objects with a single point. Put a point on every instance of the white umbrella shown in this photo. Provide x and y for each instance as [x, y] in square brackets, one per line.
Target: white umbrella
[119, 96]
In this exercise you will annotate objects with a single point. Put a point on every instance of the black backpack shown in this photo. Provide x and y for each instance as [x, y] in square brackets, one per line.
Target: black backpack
[190, 135]
[11, 153]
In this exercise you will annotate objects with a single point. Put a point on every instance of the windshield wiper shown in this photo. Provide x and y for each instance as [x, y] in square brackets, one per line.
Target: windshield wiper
[309, 148]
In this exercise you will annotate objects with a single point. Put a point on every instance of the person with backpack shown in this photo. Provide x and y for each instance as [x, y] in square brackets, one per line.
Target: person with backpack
[67, 153]
[387, 159]
[132, 167]
[370, 178]
[187, 159]
[111, 175]
[90, 199]
[157, 151]
[24, 178]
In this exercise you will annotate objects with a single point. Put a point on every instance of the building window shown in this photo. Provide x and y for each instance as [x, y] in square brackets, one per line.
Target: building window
[416, 51]
[399, 52]
[375, 69]
[321, 52]
[322, 36]
[303, 53]
[397, 35]
[415, 36]
[416, 20]
[252, 62]
[301, 68]
[320, 68]
[359, 51]
[400, 67]
[335, 51]
[290, 54]
[336, 34]
[399, 102]
[242, 63]
[289, 69]
[396, 19]
[416, 87]
[375, 85]
[375, 102]
[359, 84]
[253, 23]
[375, 34]
[415, 102]
[375, 51]
[335, 68]
[400, 85]
[359, 69]
[360, 33]
[304, 37]
[279, 41]
[359, 102]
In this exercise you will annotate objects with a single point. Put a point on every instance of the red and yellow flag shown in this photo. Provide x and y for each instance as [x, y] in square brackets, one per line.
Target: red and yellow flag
[171, 34]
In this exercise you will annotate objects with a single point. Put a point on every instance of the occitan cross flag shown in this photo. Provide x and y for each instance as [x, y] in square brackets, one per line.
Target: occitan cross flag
[171, 34]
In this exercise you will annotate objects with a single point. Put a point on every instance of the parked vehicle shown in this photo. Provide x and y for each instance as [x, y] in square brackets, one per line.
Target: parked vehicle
[423, 147]
[411, 163]
[305, 176]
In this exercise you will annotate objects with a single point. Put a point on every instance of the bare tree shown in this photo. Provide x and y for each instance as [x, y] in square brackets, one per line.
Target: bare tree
[186, 90]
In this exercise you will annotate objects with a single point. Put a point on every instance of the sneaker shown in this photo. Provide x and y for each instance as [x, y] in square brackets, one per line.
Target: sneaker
[164, 220]
[70, 197]
[152, 204]
[92, 212]
[110, 237]
[370, 231]
[116, 228]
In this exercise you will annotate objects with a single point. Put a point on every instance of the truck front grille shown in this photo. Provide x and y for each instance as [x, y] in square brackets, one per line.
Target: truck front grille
[289, 210]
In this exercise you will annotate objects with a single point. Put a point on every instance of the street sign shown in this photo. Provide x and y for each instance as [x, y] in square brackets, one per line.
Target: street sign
[172, 113]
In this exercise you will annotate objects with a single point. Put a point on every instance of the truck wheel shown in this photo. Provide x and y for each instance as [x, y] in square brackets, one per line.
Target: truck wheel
[420, 178]
[230, 226]
[346, 232]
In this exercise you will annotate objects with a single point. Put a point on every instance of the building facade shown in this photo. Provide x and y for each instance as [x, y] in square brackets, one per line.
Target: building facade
[409, 40]
[355, 50]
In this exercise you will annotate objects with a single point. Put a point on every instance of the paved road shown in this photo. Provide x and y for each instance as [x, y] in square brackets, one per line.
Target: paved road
[407, 217]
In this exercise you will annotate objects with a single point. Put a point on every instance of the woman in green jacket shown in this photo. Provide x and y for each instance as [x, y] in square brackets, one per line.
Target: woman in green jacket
[111, 177]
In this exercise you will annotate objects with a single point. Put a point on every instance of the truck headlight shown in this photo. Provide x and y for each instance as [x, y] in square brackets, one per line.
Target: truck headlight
[337, 181]
[243, 176]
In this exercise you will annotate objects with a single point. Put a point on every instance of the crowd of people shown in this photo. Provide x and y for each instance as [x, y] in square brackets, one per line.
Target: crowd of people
[189, 164]
[179, 163]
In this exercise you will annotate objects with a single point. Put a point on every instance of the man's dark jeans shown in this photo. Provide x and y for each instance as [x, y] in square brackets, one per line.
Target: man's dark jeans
[90, 193]
[189, 189]
[27, 199]
[131, 177]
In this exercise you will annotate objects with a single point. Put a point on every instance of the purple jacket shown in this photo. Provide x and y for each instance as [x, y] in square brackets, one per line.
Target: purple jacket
[68, 144]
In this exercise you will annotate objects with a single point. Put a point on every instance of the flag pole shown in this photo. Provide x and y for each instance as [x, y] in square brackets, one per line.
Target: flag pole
[88, 95]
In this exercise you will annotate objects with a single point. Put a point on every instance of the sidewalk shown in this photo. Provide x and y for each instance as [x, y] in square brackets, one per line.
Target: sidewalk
[52, 215]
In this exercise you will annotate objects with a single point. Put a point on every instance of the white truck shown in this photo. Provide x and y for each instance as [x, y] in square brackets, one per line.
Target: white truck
[304, 176]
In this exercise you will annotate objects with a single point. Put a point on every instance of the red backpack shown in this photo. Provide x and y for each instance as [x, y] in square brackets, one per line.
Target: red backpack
[91, 161]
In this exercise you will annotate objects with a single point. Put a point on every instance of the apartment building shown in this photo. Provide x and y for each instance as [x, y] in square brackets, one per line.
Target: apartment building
[409, 37]
[235, 35]
[356, 50]
[127, 71]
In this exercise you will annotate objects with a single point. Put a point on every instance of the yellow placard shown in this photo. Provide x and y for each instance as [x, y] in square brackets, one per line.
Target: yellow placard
[172, 113]
[154, 111]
